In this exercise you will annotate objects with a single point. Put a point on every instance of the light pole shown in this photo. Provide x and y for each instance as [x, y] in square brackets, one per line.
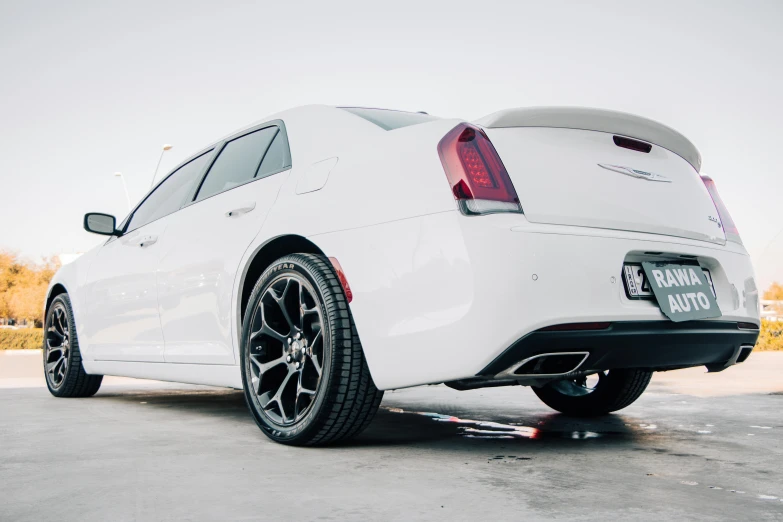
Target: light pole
[155, 174]
[125, 187]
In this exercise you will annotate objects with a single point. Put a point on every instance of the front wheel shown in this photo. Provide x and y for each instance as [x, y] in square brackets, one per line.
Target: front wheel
[305, 378]
[62, 360]
[597, 394]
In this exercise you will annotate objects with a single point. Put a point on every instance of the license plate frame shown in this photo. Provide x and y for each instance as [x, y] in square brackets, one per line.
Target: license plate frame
[638, 288]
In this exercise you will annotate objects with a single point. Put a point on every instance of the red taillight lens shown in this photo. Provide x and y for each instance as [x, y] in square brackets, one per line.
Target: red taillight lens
[478, 179]
[732, 234]
[343, 280]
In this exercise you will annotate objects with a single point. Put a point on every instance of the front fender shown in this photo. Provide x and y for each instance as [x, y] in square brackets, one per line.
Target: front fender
[70, 279]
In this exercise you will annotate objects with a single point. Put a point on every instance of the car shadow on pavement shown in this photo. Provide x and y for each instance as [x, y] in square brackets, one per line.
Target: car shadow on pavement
[393, 426]
[397, 426]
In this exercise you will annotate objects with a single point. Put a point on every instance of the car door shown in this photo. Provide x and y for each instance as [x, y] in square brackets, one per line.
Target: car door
[207, 239]
[122, 319]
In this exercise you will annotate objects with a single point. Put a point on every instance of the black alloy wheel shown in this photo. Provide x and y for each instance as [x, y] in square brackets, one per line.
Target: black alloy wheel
[62, 360]
[305, 377]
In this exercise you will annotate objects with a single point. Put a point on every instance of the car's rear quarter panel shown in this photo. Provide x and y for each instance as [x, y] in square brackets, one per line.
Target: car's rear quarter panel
[380, 177]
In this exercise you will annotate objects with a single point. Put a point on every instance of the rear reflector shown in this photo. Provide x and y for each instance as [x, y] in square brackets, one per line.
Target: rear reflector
[628, 143]
[747, 326]
[732, 234]
[343, 280]
[575, 326]
[478, 179]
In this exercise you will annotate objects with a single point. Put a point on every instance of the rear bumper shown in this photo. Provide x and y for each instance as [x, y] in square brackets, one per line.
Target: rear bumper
[650, 345]
[438, 298]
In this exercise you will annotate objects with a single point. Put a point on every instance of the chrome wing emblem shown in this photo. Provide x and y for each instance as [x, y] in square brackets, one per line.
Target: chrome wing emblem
[634, 173]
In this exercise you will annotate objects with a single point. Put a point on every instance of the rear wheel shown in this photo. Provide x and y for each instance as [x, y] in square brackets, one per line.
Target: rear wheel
[597, 394]
[62, 360]
[305, 378]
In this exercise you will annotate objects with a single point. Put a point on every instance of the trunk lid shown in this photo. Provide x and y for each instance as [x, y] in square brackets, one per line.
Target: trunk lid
[568, 170]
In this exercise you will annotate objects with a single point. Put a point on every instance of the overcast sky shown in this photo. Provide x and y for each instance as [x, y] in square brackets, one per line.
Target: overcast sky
[91, 88]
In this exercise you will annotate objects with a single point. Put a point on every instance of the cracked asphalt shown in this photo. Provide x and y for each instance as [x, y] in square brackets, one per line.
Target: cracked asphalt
[694, 447]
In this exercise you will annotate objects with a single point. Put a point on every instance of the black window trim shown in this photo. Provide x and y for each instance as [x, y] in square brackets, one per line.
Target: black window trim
[281, 133]
[214, 150]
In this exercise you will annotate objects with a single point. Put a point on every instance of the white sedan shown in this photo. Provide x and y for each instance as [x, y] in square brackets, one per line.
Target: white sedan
[330, 253]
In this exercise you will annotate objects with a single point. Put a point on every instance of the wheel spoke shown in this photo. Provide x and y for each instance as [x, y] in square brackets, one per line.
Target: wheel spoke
[280, 392]
[296, 397]
[281, 303]
[53, 330]
[316, 338]
[267, 399]
[316, 364]
[266, 330]
[313, 356]
[50, 366]
[63, 328]
[301, 306]
[264, 367]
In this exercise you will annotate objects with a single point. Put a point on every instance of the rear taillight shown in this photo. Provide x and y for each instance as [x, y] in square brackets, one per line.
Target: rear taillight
[478, 179]
[732, 234]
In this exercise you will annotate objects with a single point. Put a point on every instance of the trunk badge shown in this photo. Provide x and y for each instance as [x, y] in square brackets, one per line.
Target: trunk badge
[634, 173]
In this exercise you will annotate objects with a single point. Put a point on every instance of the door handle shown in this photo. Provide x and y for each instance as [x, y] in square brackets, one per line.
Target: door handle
[147, 241]
[244, 209]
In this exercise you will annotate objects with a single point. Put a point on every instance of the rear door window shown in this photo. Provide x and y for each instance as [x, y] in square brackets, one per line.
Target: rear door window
[244, 159]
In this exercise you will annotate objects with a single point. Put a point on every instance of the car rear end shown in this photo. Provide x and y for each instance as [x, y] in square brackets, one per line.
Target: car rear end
[560, 208]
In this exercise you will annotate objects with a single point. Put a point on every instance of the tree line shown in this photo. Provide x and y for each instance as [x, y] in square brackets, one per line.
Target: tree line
[23, 288]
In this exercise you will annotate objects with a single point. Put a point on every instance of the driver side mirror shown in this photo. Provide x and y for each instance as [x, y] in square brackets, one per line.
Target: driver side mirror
[103, 224]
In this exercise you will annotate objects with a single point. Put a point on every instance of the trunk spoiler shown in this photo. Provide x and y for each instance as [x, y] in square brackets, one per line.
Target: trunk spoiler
[600, 120]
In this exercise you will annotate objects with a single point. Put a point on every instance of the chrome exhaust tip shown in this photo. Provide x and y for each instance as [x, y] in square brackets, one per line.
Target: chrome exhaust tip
[547, 365]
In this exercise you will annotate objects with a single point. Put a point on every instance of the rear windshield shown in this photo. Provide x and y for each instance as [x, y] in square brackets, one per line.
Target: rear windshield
[390, 120]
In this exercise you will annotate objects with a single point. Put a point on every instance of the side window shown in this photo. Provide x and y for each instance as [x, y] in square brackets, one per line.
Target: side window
[240, 161]
[170, 195]
[276, 157]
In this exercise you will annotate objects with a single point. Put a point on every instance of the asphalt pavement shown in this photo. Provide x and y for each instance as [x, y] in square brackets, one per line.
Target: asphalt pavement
[696, 446]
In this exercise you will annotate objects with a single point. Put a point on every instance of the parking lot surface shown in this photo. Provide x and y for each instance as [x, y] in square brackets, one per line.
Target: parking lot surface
[694, 447]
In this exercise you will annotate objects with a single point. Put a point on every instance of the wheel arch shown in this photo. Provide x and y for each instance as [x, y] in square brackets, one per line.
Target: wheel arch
[265, 255]
[56, 290]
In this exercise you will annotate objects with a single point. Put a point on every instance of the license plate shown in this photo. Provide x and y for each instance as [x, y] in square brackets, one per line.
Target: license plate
[681, 290]
[638, 287]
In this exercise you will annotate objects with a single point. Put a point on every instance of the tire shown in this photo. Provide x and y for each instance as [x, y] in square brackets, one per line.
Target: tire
[334, 396]
[615, 390]
[62, 360]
